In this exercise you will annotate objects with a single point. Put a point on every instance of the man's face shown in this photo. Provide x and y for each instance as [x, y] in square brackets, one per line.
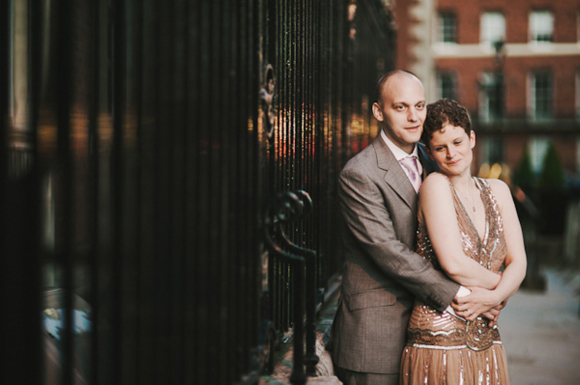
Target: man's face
[402, 110]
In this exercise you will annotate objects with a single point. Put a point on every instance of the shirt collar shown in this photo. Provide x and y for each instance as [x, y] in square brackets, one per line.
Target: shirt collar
[396, 150]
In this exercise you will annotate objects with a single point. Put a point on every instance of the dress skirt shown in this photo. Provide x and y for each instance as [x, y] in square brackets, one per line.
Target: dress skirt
[445, 349]
[463, 366]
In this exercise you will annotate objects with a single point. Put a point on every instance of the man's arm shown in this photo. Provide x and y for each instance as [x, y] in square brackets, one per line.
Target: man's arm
[370, 222]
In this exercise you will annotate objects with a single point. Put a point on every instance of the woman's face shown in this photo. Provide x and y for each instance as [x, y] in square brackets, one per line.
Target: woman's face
[451, 148]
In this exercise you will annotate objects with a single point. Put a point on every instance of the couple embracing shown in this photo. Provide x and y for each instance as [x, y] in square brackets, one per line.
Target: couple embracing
[431, 253]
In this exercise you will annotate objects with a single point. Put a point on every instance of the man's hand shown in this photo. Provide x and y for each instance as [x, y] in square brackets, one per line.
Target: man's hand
[479, 302]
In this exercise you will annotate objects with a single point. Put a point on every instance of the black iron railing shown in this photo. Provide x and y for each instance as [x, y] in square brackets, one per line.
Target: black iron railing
[289, 207]
[142, 142]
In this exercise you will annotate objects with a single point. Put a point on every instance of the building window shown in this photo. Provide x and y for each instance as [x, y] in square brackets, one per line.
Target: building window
[541, 26]
[492, 27]
[540, 95]
[490, 96]
[492, 150]
[538, 149]
[578, 155]
[577, 102]
[447, 85]
[447, 27]
[578, 25]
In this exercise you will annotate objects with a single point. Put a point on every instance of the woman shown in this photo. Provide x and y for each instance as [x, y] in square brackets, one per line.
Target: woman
[469, 228]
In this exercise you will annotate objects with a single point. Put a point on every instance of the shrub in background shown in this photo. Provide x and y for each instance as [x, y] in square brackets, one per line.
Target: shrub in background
[552, 195]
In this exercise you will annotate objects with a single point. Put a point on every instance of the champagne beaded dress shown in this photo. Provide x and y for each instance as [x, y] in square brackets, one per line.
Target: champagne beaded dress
[445, 349]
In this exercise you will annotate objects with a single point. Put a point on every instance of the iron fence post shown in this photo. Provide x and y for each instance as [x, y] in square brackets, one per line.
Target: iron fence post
[289, 207]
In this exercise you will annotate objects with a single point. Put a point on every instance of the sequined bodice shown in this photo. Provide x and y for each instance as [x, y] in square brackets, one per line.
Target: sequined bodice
[428, 327]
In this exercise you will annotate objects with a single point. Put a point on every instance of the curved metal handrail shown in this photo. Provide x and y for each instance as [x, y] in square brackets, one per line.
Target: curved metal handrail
[288, 207]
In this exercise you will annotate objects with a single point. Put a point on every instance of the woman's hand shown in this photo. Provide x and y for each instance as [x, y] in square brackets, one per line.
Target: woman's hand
[493, 314]
[479, 302]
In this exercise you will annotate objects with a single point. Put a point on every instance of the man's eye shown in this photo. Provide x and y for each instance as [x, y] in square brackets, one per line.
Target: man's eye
[400, 108]
[420, 106]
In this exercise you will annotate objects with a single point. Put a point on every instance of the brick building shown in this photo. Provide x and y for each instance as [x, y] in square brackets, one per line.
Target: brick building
[515, 65]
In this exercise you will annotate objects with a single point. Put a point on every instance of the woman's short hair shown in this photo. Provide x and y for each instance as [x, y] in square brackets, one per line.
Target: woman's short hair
[441, 112]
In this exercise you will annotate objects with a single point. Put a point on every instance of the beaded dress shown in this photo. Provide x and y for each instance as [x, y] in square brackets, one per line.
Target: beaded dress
[445, 349]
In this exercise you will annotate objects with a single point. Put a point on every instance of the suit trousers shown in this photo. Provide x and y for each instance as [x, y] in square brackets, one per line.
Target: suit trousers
[349, 377]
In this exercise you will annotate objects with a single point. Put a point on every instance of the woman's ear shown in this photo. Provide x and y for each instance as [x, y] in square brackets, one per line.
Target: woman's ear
[378, 114]
[472, 139]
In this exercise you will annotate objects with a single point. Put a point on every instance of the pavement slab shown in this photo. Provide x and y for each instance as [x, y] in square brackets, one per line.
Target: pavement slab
[541, 332]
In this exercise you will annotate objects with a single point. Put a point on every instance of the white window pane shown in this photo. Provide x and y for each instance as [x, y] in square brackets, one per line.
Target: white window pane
[492, 27]
[490, 96]
[541, 26]
[538, 149]
[540, 95]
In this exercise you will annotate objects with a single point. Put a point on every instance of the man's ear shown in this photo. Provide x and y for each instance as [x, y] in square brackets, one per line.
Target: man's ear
[378, 114]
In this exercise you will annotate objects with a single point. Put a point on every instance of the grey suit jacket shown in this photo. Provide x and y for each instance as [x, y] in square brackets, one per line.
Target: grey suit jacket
[382, 274]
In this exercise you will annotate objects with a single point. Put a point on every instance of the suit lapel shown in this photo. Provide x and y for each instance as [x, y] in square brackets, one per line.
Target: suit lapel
[428, 164]
[394, 174]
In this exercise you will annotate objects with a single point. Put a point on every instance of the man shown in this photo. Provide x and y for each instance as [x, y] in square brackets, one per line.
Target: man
[382, 274]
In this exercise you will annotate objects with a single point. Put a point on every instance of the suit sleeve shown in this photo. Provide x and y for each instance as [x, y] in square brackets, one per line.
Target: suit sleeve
[370, 222]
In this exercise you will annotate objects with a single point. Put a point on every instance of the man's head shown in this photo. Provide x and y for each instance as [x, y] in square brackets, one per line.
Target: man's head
[400, 108]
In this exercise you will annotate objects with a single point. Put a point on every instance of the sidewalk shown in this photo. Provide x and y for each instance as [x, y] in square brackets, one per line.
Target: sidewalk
[541, 332]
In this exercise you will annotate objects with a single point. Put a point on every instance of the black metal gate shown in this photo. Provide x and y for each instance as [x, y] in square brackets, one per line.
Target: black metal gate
[143, 142]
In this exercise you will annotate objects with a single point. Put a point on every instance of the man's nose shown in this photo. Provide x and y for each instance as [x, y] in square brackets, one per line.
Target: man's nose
[412, 117]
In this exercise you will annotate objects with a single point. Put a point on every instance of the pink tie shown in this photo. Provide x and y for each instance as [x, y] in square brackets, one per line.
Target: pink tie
[410, 165]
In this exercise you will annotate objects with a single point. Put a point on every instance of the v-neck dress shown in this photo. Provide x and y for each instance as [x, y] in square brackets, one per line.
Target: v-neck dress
[443, 348]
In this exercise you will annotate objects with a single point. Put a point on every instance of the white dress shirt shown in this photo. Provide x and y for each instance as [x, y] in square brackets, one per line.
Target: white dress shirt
[400, 154]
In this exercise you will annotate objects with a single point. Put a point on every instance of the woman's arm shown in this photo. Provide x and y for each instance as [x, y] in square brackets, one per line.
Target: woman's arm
[515, 262]
[436, 206]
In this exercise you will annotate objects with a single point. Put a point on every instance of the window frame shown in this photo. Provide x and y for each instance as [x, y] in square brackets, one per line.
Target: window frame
[447, 32]
[485, 26]
[452, 77]
[532, 93]
[538, 147]
[488, 97]
[533, 31]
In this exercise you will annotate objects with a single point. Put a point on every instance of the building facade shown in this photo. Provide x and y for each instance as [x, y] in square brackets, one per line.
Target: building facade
[515, 66]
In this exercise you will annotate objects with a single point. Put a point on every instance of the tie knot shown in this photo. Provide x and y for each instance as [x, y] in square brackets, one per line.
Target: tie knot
[411, 168]
[411, 161]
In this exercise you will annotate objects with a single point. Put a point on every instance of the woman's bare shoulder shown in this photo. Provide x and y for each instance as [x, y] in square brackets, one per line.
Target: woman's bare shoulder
[435, 180]
[435, 183]
[500, 189]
